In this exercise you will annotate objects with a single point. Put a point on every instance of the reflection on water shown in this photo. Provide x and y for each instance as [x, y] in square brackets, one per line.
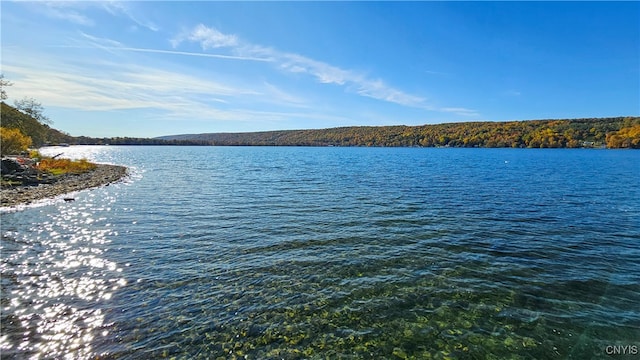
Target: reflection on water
[55, 277]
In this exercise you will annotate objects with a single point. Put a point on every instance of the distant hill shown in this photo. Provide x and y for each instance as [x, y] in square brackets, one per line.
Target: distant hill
[616, 132]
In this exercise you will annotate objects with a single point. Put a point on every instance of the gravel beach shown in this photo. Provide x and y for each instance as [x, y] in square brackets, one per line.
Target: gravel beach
[102, 175]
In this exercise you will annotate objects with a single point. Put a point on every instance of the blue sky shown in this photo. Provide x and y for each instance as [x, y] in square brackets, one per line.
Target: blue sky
[155, 68]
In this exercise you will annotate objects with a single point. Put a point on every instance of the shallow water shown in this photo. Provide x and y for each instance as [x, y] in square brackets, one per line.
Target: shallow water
[271, 252]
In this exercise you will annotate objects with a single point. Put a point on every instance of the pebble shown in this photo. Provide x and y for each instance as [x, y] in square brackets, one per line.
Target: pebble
[103, 174]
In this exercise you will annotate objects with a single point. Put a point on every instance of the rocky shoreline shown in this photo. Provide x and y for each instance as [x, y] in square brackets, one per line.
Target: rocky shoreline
[103, 174]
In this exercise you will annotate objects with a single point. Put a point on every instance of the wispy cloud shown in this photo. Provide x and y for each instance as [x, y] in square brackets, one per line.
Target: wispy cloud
[63, 11]
[87, 81]
[126, 87]
[120, 8]
[207, 37]
[75, 12]
[172, 52]
[323, 72]
[460, 111]
[211, 38]
[353, 81]
[90, 41]
[108, 86]
[283, 96]
[377, 89]
[100, 42]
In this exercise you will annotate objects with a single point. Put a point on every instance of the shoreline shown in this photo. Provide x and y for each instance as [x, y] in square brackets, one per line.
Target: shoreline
[102, 175]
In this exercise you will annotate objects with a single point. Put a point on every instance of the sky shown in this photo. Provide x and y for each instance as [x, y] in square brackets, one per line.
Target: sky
[153, 68]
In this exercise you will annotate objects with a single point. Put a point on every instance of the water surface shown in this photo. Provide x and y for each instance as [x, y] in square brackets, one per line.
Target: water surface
[272, 252]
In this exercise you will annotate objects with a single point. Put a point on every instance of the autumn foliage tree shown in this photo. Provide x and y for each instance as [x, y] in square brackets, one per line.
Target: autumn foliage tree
[627, 137]
[516, 134]
[27, 125]
[13, 141]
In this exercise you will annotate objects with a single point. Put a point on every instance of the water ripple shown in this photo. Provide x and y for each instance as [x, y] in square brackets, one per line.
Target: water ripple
[330, 253]
[56, 280]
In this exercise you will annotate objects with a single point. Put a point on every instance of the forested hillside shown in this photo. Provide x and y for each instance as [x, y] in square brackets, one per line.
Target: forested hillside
[39, 133]
[619, 132]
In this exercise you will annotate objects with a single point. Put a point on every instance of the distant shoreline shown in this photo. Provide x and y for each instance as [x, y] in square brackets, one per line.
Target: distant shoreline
[102, 175]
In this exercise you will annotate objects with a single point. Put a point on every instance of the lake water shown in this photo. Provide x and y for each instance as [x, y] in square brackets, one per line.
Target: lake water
[294, 252]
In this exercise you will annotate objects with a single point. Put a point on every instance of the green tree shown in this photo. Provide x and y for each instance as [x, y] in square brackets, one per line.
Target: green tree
[13, 141]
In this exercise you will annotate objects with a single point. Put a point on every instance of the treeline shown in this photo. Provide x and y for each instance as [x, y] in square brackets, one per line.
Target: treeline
[84, 140]
[618, 132]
